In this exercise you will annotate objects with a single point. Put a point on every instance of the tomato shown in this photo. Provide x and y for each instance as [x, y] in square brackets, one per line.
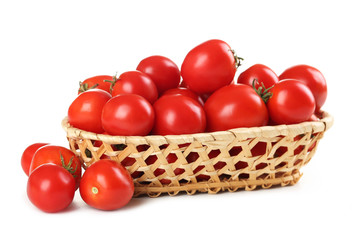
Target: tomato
[85, 111]
[163, 71]
[51, 188]
[60, 156]
[263, 75]
[128, 115]
[137, 83]
[292, 102]
[184, 91]
[312, 78]
[209, 66]
[28, 155]
[235, 106]
[100, 82]
[178, 114]
[106, 185]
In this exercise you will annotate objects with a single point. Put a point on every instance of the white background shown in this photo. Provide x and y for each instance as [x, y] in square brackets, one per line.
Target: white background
[47, 47]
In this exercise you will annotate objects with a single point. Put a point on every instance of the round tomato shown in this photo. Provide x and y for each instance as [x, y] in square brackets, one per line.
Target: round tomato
[184, 91]
[100, 82]
[235, 106]
[312, 78]
[137, 83]
[60, 156]
[51, 188]
[28, 155]
[85, 111]
[106, 185]
[128, 115]
[164, 72]
[291, 102]
[261, 73]
[178, 114]
[209, 66]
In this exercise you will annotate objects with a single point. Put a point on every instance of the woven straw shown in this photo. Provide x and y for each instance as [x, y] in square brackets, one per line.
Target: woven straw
[243, 158]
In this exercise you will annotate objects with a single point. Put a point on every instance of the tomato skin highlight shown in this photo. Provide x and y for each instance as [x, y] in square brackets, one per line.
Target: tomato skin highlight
[178, 114]
[184, 91]
[261, 73]
[292, 102]
[162, 71]
[235, 106]
[208, 67]
[28, 155]
[85, 111]
[128, 115]
[106, 185]
[51, 188]
[312, 78]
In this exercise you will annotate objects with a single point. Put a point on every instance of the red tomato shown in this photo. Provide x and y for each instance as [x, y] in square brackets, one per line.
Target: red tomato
[51, 188]
[184, 91]
[312, 78]
[235, 106]
[209, 66]
[178, 114]
[137, 83]
[99, 82]
[106, 185]
[164, 72]
[60, 156]
[292, 102]
[28, 155]
[128, 115]
[85, 111]
[261, 73]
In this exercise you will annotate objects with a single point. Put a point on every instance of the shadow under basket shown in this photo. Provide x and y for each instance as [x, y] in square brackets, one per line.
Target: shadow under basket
[242, 158]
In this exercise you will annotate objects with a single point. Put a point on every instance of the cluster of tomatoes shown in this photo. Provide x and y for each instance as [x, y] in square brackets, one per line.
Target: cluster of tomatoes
[159, 98]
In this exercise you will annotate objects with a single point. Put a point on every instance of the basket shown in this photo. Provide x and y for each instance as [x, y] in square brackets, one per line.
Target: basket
[242, 158]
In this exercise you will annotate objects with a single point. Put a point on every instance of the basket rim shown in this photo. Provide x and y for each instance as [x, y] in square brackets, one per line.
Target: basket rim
[240, 133]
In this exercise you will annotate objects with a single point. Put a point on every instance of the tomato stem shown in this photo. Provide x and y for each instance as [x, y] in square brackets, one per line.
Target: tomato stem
[68, 167]
[84, 87]
[262, 91]
[113, 81]
[237, 58]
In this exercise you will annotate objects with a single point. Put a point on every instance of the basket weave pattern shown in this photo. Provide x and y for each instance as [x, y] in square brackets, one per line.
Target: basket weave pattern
[242, 158]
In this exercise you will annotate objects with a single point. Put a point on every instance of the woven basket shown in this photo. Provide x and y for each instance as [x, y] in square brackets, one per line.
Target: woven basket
[243, 158]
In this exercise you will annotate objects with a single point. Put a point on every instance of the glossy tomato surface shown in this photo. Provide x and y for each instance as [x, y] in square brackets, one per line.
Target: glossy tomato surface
[292, 102]
[178, 114]
[106, 185]
[128, 115]
[162, 70]
[312, 78]
[209, 66]
[51, 188]
[60, 156]
[85, 111]
[99, 82]
[235, 106]
[261, 73]
[184, 91]
[135, 82]
[28, 155]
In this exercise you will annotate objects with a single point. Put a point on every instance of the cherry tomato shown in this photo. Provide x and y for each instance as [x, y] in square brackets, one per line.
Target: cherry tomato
[178, 114]
[51, 188]
[135, 82]
[106, 185]
[28, 155]
[85, 111]
[292, 102]
[261, 73]
[312, 78]
[99, 82]
[235, 106]
[60, 156]
[164, 72]
[128, 115]
[209, 66]
[184, 91]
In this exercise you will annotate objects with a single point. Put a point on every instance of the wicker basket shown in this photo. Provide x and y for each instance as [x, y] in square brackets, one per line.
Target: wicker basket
[242, 158]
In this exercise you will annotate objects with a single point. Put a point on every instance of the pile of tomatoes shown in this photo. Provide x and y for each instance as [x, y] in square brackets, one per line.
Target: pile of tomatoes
[158, 98]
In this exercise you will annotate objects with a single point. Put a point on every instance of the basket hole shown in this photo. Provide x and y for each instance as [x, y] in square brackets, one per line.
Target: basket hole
[299, 161]
[214, 153]
[261, 166]
[280, 165]
[128, 161]
[225, 177]
[280, 151]
[142, 147]
[263, 176]
[243, 176]
[219, 165]
[118, 147]
[192, 157]
[259, 149]
[163, 146]
[151, 160]
[241, 165]
[235, 151]
[137, 174]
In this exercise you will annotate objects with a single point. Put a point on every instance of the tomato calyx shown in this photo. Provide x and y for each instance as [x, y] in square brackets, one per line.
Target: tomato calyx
[84, 87]
[237, 58]
[68, 167]
[113, 81]
[262, 91]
